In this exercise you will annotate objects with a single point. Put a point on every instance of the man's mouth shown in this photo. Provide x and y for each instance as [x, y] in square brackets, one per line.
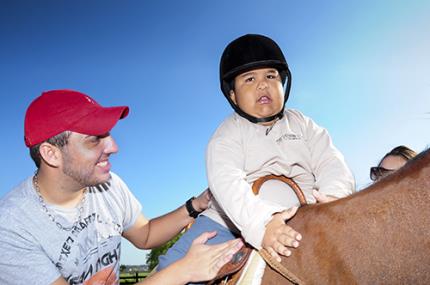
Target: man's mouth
[102, 163]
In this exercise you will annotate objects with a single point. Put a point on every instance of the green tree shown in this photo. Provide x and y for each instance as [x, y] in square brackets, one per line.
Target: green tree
[152, 256]
[122, 268]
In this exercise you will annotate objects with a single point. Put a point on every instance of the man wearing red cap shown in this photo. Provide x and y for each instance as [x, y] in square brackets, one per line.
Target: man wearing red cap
[65, 222]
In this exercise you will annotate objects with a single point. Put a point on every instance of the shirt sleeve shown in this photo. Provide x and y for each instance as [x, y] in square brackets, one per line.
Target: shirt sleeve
[332, 175]
[22, 260]
[226, 178]
[132, 207]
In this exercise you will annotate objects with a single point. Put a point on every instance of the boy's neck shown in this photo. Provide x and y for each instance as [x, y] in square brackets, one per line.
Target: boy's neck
[270, 123]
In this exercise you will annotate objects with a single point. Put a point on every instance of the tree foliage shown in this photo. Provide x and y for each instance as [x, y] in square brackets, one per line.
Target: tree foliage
[152, 256]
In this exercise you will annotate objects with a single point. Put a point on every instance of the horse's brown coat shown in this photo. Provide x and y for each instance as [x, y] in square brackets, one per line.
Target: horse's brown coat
[380, 235]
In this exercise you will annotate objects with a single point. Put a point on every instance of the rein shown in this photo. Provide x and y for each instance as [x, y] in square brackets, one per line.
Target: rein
[277, 266]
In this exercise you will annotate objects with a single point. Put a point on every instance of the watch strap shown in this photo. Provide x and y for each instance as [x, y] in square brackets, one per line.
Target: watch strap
[191, 211]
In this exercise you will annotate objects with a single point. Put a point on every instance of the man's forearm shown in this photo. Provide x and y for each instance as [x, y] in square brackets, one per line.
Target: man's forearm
[172, 274]
[164, 228]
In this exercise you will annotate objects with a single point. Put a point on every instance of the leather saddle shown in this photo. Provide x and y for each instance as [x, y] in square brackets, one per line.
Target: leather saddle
[230, 273]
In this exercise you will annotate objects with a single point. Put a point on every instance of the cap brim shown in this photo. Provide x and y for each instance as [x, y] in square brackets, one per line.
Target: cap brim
[100, 121]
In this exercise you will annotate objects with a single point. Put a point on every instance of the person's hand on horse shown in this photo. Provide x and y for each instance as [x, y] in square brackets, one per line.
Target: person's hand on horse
[201, 202]
[202, 262]
[279, 236]
[322, 198]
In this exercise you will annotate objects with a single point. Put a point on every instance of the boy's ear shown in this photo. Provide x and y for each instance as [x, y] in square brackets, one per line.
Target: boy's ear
[233, 96]
[50, 154]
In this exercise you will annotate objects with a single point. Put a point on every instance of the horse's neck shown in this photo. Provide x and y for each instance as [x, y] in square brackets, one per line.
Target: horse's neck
[379, 223]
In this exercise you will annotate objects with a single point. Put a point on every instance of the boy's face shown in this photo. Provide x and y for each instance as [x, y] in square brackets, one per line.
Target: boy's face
[259, 92]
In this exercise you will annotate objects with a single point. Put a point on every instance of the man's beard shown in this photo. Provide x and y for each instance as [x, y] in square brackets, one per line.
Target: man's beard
[82, 175]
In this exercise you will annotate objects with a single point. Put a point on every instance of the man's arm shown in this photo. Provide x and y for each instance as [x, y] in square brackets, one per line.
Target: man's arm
[201, 263]
[60, 281]
[147, 234]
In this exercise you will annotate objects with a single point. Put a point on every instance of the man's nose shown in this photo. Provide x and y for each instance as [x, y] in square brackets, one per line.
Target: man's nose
[110, 145]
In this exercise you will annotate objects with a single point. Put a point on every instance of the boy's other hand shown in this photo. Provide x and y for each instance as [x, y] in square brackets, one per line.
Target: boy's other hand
[279, 236]
[201, 202]
[322, 198]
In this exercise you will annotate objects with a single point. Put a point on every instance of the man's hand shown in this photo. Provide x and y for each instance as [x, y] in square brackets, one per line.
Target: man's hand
[201, 202]
[322, 198]
[202, 262]
[279, 236]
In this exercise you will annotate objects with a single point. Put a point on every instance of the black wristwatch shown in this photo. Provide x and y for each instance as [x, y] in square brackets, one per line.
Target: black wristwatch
[191, 211]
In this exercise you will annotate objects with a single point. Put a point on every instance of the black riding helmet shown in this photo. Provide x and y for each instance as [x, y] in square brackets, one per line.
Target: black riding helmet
[250, 52]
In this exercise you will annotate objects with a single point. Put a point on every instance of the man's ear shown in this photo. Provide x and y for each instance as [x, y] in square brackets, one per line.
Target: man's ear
[233, 96]
[50, 154]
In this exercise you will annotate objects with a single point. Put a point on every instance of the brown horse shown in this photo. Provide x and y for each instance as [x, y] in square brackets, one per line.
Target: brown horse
[380, 235]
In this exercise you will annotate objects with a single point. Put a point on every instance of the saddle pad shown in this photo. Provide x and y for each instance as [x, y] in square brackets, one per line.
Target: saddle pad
[254, 270]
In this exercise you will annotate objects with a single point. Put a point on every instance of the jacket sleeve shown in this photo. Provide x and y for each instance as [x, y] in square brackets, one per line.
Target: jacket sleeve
[332, 175]
[226, 177]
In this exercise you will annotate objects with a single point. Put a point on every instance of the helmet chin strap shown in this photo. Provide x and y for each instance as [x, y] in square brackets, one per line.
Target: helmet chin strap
[256, 120]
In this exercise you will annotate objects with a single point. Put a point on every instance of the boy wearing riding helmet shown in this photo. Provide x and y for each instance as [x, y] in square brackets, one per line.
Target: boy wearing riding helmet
[262, 138]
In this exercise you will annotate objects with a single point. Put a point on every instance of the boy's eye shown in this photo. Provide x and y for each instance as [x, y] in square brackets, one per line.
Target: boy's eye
[272, 76]
[249, 79]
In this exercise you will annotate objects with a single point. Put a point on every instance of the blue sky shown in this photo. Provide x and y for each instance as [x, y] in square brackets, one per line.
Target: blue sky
[360, 69]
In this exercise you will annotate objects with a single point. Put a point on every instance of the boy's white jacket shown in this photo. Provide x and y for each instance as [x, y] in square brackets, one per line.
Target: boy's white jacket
[240, 152]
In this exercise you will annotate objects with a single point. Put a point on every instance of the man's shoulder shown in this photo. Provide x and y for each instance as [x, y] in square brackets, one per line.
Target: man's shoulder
[17, 195]
[116, 181]
[16, 203]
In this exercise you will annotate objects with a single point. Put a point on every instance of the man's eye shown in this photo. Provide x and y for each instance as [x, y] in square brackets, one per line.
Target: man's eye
[95, 139]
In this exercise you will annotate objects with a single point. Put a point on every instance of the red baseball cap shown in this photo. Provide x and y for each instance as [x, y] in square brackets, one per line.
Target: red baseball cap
[57, 111]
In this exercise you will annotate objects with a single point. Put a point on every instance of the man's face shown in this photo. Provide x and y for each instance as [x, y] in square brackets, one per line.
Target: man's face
[86, 158]
[259, 92]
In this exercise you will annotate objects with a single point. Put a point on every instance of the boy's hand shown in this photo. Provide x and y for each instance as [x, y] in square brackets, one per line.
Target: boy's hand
[201, 202]
[322, 198]
[279, 236]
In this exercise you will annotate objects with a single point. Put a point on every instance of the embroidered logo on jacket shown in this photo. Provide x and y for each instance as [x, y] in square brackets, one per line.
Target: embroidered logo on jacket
[289, 137]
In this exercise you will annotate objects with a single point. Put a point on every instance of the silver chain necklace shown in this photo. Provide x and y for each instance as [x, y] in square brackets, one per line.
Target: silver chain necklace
[50, 215]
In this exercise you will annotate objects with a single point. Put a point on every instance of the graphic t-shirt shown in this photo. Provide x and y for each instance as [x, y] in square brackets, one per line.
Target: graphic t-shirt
[34, 250]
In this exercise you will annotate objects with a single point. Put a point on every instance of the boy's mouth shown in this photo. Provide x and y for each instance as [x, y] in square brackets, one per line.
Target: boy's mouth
[264, 100]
